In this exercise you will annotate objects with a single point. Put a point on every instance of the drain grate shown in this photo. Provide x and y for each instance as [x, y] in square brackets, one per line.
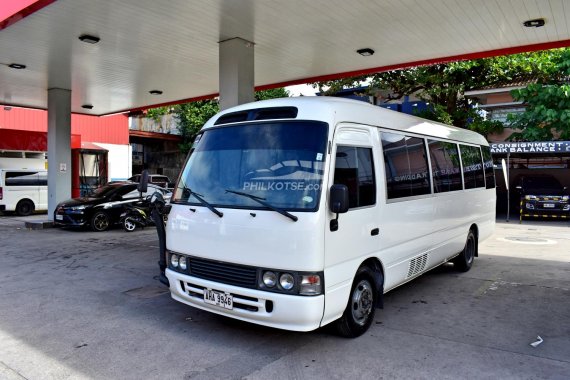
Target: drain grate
[147, 292]
[526, 239]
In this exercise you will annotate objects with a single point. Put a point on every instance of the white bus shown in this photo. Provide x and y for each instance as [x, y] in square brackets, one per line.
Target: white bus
[296, 213]
[23, 191]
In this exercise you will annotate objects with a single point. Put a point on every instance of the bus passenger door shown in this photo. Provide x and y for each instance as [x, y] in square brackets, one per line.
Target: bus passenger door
[358, 234]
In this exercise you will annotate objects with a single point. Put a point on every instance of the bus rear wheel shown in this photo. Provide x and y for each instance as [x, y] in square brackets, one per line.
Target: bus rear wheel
[464, 261]
[361, 307]
[25, 207]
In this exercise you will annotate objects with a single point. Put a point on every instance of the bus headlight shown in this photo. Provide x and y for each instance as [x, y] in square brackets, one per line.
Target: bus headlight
[269, 279]
[174, 261]
[287, 281]
[310, 284]
[182, 263]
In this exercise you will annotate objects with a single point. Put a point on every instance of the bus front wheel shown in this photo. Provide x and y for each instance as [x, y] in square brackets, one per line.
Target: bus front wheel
[464, 261]
[361, 307]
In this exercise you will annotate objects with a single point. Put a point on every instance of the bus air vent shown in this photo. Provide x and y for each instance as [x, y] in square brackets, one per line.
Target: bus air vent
[417, 265]
[270, 113]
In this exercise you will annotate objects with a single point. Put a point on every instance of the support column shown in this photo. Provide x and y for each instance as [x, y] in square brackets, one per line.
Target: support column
[236, 72]
[59, 147]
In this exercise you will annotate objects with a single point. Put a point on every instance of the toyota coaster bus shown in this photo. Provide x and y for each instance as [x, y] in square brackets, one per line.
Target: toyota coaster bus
[299, 212]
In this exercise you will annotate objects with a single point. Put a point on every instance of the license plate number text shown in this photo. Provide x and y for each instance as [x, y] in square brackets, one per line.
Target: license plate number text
[220, 299]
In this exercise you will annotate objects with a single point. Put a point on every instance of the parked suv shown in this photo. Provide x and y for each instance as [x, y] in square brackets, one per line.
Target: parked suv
[543, 195]
[156, 179]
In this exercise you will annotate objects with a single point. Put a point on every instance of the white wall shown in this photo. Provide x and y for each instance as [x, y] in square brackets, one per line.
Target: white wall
[119, 160]
[23, 163]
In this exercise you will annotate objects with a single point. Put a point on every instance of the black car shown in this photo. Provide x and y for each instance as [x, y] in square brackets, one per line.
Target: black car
[156, 179]
[104, 207]
[544, 196]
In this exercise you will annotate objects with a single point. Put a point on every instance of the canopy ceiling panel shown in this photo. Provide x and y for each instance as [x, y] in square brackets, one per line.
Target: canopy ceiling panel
[172, 46]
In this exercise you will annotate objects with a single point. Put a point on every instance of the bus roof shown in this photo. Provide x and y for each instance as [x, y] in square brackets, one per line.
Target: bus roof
[334, 110]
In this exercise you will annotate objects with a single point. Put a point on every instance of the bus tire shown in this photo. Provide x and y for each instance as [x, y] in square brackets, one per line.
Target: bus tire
[464, 261]
[361, 307]
[25, 207]
[100, 221]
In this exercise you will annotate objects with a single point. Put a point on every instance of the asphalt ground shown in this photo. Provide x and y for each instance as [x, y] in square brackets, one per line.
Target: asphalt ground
[87, 305]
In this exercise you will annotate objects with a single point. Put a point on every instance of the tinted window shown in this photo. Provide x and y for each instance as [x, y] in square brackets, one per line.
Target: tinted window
[541, 184]
[42, 179]
[24, 179]
[281, 162]
[355, 168]
[489, 171]
[445, 166]
[406, 165]
[473, 173]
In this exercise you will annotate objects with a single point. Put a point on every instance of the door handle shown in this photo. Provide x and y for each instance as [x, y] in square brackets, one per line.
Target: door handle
[375, 232]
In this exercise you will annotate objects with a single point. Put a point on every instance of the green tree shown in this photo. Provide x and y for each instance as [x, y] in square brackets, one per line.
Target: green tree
[192, 116]
[547, 114]
[443, 85]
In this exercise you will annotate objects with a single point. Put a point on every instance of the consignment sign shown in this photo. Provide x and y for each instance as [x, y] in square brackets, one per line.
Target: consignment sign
[531, 147]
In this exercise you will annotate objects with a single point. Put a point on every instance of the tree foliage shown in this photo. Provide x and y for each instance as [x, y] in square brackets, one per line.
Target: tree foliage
[192, 116]
[547, 113]
[443, 85]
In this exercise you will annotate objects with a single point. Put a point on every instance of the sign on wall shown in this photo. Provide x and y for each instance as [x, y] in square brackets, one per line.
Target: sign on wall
[538, 147]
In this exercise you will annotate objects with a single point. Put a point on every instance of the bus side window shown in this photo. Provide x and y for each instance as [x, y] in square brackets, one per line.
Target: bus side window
[473, 173]
[488, 164]
[445, 166]
[406, 165]
[354, 168]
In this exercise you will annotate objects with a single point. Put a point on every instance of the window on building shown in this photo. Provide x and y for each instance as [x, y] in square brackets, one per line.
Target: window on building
[473, 173]
[446, 170]
[354, 168]
[406, 165]
[502, 114]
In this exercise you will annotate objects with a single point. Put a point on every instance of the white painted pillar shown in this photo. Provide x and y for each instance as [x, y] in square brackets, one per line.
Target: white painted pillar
[59, 147]
[236, 73]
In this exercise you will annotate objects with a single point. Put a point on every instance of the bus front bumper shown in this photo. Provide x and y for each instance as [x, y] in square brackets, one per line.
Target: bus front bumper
[283, 311]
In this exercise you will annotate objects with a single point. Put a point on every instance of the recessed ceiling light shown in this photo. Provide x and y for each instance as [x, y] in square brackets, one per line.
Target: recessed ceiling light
[87, 106]
[536, 23]
[89, 39]
[366, 52]
[155, 92]
[17, 66]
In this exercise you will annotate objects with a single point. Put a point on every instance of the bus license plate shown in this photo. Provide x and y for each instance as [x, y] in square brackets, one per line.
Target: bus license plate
[224, 300]
[548, 205]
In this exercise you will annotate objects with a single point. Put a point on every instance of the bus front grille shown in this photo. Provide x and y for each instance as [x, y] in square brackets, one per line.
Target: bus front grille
[225, 273]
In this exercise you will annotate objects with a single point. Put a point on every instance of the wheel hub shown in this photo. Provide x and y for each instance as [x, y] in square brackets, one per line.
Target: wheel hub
[362, 304]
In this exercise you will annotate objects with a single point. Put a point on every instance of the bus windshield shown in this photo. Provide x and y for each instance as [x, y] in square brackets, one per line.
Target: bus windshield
[279, 163]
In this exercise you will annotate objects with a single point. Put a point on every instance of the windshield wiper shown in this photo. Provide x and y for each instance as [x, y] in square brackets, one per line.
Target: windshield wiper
[204, 202]
[262, 202]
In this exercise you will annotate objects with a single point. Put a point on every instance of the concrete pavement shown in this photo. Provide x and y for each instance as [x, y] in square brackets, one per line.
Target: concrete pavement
[79, 305]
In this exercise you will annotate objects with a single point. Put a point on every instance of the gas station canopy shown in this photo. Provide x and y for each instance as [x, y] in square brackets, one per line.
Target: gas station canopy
[130, 48]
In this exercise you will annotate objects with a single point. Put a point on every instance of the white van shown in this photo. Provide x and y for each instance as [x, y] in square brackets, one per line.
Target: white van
[295, 213]
[23, 190]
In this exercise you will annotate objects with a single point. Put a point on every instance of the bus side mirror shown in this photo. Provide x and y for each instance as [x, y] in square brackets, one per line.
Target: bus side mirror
[338, 203]
[143, 184]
